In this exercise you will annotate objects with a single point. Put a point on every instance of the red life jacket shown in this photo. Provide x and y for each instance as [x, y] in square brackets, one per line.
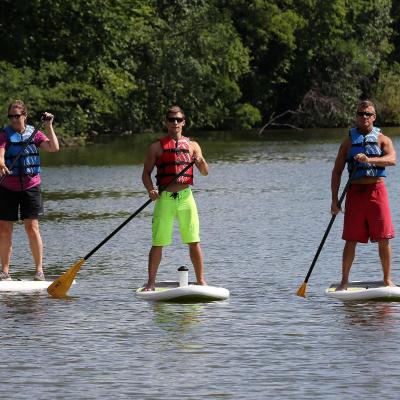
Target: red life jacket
[174, 158]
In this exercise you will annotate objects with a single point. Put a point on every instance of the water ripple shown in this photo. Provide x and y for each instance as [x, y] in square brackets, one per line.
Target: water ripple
[264, 208]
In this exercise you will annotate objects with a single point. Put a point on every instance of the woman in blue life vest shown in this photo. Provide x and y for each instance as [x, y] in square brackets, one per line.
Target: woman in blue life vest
[20, 194]
[367, 213]
[170, 155]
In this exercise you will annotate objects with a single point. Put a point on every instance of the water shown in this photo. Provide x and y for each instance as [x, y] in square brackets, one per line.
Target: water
[264, 209]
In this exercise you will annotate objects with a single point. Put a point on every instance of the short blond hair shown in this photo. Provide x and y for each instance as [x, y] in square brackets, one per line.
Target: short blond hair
[365, 104]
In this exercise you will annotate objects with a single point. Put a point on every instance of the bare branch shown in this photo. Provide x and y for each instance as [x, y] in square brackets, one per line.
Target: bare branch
[273, 118]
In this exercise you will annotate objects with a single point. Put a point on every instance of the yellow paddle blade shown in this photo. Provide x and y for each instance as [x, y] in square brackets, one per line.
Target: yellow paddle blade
[301, 291]
[61, 285]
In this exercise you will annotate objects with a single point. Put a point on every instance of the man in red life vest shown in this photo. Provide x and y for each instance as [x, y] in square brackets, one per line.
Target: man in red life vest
[171, 154]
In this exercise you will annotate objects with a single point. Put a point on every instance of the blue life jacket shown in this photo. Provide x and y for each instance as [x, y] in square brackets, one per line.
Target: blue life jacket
[368, 145]
[29, 162]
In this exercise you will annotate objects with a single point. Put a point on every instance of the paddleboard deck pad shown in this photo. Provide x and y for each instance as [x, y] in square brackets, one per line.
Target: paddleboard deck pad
[24, 285]
[169, 291]
[358, 290]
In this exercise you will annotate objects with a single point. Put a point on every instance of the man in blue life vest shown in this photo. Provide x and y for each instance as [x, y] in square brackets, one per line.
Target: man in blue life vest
[171, 154]
[20, 193]
[367, 213]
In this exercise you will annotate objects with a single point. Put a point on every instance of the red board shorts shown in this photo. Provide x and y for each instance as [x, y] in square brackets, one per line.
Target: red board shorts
[367, 213]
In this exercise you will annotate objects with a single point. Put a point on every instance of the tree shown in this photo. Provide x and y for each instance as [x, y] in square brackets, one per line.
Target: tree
[343, 47]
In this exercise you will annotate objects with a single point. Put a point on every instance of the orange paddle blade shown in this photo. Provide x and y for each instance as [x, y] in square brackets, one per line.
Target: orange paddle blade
[301, 291]
[61, 285]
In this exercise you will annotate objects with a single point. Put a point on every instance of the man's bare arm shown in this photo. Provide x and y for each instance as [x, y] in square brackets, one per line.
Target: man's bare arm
[148, 167]
[337, 172]
[199, 160]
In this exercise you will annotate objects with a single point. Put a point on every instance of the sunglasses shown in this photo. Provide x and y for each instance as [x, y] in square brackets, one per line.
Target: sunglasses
[14, 116]
[173, 119]
[364, 114]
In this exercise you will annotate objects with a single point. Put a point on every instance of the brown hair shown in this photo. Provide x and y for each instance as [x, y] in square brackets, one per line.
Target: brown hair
[174, 110]
[20, 104]
[366, 103]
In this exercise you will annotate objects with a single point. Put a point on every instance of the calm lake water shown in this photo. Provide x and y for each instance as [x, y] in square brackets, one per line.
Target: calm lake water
[264, 209]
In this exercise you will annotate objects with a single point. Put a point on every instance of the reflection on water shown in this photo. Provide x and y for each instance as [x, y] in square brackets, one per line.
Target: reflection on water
[59, 216]
[25, 304]
[176, 318]
[371, 313]
[217, 146]
[85, 195]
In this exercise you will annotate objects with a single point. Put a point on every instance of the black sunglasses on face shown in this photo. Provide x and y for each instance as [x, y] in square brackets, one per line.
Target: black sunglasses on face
[14, 116]
[364, 114]
[173, 119]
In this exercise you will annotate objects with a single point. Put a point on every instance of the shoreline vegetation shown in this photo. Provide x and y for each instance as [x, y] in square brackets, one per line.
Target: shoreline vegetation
[221, 136]
[106, 66]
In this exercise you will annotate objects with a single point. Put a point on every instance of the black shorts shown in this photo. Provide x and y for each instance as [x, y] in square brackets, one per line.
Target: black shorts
[27, 204]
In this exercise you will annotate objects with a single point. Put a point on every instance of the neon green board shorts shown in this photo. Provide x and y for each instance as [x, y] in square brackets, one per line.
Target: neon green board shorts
[180, 205]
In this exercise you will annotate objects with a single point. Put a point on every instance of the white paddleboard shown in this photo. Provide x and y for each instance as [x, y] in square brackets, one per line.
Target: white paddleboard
[24, 285]
[358, 290]
[171, 291]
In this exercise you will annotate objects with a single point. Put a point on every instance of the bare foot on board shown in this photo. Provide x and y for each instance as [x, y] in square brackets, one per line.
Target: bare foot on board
[342, 286]
[389, 283]
[202, 283]
[148, 287]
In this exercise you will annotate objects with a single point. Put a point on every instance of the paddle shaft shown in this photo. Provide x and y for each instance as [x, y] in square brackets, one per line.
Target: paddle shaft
[346, 188]
[22, 149]
[135, 213]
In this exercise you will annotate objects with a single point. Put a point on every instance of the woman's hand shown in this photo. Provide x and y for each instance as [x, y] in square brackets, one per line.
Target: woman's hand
[48, 119]
[3, 169]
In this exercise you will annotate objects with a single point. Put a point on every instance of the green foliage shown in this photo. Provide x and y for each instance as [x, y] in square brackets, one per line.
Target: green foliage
[246, 116]
[195, 63]
[347, 42]
[269, 29]
[387, 95]
[115, 66]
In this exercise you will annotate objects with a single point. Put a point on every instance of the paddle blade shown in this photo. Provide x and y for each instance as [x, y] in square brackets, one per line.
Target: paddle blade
[301, 291]
[61, 285]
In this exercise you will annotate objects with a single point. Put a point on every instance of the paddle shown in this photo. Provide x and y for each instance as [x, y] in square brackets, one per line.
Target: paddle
[26, 144]
[302, 289]
[61, 285]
